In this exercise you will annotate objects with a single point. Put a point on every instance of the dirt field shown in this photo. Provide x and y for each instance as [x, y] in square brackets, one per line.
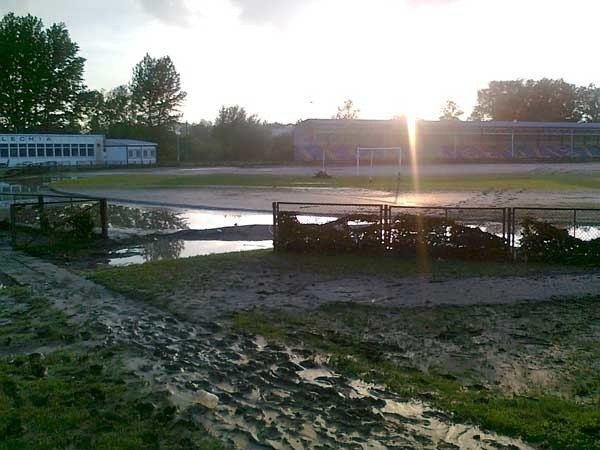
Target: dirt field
[386, 170]
[261, 198]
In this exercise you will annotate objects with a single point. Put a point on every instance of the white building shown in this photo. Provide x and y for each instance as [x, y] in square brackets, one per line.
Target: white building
[73, 150]
[129, 151]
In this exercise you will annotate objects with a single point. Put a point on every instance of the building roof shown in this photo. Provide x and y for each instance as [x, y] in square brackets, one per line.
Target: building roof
[126, 142]
[462, 123]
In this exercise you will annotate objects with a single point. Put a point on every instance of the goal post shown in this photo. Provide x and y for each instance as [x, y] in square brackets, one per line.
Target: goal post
[371, 151]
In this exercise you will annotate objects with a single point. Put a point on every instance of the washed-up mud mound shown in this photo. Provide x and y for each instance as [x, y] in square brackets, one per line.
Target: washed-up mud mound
[249, 393]
[237, 233]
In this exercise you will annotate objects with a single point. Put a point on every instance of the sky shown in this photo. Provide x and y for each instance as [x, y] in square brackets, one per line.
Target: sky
[287, 60]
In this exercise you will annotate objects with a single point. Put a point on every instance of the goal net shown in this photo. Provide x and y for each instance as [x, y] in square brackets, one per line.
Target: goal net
[368, 153]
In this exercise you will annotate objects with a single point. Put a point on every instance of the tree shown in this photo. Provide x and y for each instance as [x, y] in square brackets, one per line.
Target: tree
[527, 100]
[156, 93]
[347, 111]
[241, 137]
[588, 103]
[451, 111]
[41, 76]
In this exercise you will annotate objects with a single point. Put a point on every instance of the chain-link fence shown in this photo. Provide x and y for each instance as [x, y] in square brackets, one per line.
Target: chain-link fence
[545, 234]
[53, 215]
[558, 235]
[329, 227]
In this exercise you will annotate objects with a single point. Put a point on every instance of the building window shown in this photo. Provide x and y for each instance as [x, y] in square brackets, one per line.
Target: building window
[31, 150]
[49, 150]
[82, 150]
[58, 150]
[152, 153]
[3, 150]
[13, 150]
[66, 148]
[90, 150]
[40, 151]
[145, 153]
[23, 150]
[74, 150]
[131, 153]
[138, 153]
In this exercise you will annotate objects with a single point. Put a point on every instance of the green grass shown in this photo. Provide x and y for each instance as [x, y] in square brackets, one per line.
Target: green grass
[545, 182]
[78, 395]
[547, 421]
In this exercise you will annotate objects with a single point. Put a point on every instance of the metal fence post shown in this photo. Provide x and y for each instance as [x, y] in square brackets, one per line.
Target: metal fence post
[275, 225]
[504, 224]
[104, 218]
[13, 221]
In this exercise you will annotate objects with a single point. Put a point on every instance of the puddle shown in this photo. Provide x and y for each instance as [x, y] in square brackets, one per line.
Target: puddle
[173, 249]
[135, 217]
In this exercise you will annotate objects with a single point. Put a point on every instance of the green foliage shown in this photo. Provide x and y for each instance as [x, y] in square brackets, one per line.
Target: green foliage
[543, 242]
[156, 93]
[41, 76]
[451, 111]
[409, 235]
[242, 137]
[544, 100]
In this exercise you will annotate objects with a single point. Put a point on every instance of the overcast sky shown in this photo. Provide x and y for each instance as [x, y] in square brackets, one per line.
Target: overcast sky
[292, 59]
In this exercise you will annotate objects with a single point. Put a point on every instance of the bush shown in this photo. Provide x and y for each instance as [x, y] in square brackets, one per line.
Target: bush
[542, 242]
[82, 226]
[405, 236]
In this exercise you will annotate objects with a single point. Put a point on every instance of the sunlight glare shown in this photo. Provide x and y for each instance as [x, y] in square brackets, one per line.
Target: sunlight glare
[411, 124]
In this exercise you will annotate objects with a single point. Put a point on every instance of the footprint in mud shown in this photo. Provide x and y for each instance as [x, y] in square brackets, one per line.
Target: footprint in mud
[268, 396]
[250, 393]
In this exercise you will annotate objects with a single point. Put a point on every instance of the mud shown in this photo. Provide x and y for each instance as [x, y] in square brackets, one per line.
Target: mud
[250, 393]
[268, 286]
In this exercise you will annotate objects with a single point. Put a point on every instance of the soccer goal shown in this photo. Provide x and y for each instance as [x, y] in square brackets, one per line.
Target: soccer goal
[371, 152]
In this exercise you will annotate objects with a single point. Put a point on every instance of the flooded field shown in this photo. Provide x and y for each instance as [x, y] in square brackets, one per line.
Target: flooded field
[175, 248]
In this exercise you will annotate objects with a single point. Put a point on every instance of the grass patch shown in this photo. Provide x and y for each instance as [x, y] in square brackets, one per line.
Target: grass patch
[80, 395]
[553, 182]
[545, 419]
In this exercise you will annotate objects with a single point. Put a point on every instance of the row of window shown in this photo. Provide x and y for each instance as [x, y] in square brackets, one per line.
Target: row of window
[46, 150]
[138, 153]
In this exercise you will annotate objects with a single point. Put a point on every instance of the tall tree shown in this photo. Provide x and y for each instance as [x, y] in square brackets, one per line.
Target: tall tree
[347, 111]
[156, 93]
[450, 111]
[242, 137]
[527, 100]
[41, 76]
[588, 103]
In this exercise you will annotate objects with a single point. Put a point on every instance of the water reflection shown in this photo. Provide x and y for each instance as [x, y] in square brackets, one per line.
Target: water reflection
[162, 249]
[155, 219]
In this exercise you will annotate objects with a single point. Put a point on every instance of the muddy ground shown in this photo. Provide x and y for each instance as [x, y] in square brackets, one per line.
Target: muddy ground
[261, 199]
[249, 392]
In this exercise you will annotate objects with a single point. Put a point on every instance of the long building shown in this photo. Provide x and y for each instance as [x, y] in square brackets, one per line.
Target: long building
[337, 140]
[73, 150]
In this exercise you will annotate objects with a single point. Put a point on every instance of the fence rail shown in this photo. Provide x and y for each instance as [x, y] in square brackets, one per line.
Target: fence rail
[389, 227]
[52, 212]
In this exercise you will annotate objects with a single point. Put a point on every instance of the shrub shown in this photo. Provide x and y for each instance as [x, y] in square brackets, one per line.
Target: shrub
[404, 235]
[543, 242]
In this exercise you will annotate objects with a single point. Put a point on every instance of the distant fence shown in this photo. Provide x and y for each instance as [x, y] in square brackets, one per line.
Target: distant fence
[545, 234]
[53, 213]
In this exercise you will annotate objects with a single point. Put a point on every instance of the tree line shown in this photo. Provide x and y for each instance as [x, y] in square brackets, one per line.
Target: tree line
[42, 91]
[544, 100]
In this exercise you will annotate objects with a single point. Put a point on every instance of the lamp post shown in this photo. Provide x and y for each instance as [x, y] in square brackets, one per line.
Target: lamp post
[177, 130]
